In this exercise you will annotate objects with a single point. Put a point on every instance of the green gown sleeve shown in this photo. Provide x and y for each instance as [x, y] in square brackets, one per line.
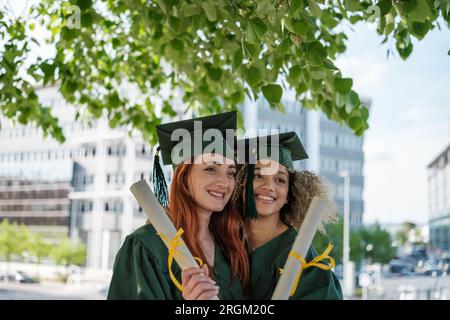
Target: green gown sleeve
[317, 284]
[137, 275]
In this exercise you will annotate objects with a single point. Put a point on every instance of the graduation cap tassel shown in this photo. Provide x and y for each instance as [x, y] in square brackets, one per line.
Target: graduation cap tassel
[250, 206]
[159, 181]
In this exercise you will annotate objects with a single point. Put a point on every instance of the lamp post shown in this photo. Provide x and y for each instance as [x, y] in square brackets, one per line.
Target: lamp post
[346, 259]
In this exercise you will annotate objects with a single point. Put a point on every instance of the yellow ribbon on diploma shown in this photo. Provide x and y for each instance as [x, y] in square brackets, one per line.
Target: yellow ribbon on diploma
[174, 244]
[313, 263]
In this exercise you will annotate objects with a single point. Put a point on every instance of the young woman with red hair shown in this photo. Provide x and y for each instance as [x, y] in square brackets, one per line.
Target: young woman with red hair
[200, 191]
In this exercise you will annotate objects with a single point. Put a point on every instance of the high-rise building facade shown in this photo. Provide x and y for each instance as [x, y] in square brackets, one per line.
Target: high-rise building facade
[439, 202]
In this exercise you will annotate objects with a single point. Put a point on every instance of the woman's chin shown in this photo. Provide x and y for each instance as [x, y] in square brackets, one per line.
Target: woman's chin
[264, 212]
[214, 207]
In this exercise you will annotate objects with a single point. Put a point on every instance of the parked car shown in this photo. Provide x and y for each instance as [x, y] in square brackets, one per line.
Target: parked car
[399, 268]
[18, 276]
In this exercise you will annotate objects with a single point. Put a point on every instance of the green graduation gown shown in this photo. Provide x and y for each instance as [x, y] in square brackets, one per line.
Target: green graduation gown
[141, 272]
[265, 261]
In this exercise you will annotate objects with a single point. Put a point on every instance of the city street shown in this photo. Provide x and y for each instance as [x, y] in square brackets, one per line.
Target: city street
[50, 291]
[416, 287]
[413, 288]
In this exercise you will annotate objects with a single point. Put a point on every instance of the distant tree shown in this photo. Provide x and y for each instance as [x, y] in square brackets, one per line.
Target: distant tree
[402, 235]
[67, 253]
[39, 248]
[14, 239]
[377, 243]
[334, 234]
[371, 243]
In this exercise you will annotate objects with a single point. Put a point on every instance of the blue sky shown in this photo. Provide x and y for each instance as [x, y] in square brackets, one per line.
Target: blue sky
[409, 120]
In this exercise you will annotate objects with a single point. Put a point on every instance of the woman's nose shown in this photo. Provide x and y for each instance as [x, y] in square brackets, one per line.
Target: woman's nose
[268, 185]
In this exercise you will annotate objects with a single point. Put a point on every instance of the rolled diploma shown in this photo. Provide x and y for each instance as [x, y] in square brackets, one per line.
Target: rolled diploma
[161, 221]
[301, 245]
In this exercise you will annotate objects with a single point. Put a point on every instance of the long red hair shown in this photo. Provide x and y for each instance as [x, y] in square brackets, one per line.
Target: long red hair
[226, 226]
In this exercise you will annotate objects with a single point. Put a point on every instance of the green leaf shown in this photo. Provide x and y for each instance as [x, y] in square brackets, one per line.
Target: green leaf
[352, 5]
[237, 59]
[272, 92]
[114, 100]
[295, 5]
[385, 6]
[403, 49]
[210, 10]
[329, 64]
[315, 52]
[354, 100]
[255, 31]
[266, 8]
[177, 44]
[294, 73]
[389, 28]
[87, 19]
[278, 106]
[250, 50]
[71, 86]
[355, 123]
[305, 75]
[69, 34]
[300, 27]
[409, 6]
[364, 113]
[343, 85]
[214, 73]
[314, 8]
[237, 97]
[419, 29]
[48, 70]
[318, 75]
[254, 76]
[190, 10]
[84, 4]
[284, 46]
[421, 12]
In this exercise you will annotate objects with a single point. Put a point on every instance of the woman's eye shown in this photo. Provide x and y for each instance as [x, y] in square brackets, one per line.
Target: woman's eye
[232, 174]
[210, 169]
[257, 176]
[281, 181]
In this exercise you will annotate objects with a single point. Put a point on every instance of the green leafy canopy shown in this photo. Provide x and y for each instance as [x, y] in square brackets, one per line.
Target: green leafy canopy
[210, 54]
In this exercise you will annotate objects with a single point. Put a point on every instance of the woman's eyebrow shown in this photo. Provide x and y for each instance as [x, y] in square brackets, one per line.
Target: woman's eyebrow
[212, 162]
[283, 173]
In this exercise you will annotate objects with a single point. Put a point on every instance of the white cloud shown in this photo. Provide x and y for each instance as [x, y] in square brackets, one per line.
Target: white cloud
[367, 70]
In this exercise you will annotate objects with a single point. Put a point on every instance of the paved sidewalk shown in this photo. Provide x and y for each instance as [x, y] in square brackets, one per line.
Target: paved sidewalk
[51, 291]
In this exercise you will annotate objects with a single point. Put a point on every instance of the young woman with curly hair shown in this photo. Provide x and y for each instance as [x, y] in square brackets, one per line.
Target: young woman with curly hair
[274, 204]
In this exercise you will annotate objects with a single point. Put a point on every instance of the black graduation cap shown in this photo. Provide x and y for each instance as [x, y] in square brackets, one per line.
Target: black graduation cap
[185, 139]
[284, 148]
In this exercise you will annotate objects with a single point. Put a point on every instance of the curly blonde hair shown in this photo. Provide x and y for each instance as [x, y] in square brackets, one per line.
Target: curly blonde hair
[303, 186]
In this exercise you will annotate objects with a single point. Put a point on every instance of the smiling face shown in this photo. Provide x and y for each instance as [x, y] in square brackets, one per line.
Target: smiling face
[271, 190]
[211, 182]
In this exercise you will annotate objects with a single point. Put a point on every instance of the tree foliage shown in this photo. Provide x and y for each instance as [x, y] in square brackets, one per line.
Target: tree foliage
[371, 243]
[67, 253]
[210, 54]
[15, 240]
